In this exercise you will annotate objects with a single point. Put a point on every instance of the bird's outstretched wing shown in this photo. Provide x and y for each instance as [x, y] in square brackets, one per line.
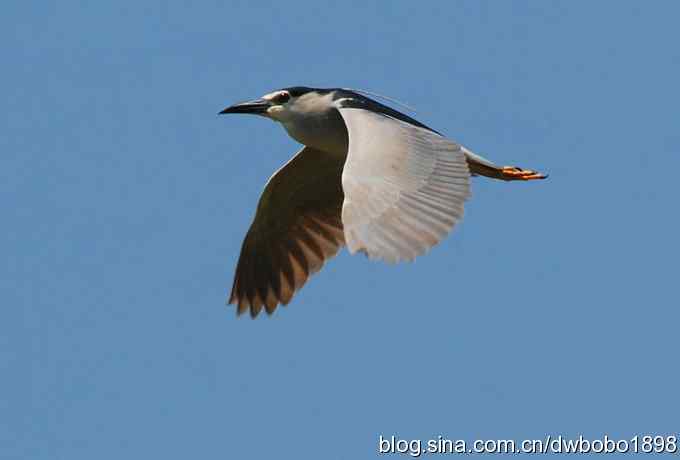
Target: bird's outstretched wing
[404, 186]
[297, 227]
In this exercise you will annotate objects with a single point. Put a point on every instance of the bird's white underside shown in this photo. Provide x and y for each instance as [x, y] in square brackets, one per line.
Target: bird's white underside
[404, 186]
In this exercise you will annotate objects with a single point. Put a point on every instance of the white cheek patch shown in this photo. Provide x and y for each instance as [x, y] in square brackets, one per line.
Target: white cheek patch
[277, 112]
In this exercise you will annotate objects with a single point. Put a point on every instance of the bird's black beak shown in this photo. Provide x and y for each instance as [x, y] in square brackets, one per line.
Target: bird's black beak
[256, 107]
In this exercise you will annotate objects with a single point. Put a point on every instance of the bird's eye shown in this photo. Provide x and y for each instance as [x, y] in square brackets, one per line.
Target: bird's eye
[282, 98]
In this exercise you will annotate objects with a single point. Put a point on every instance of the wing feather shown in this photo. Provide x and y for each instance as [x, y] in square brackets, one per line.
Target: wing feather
[405, 186]
[297, 227]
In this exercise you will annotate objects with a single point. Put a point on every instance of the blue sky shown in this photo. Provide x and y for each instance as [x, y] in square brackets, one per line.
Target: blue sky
[552, 309]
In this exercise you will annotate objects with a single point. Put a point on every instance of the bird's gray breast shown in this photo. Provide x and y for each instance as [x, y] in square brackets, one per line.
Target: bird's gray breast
[324, 131]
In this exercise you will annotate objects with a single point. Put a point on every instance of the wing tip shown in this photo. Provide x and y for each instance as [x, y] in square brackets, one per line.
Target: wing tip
[243, 305]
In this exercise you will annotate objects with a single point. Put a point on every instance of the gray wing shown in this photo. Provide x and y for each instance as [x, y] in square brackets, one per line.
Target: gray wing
[404, 186]
[297, 227]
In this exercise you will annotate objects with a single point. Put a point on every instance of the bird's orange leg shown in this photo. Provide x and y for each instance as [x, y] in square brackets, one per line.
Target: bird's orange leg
[515, 173]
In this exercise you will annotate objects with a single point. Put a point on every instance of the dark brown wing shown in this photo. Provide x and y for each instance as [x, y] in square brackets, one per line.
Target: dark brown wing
[297, 227]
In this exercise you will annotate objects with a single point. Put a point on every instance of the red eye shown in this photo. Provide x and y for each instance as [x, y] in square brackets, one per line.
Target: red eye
[282, 98]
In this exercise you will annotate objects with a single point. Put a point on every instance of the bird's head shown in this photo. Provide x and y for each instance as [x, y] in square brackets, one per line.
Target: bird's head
[284, 104]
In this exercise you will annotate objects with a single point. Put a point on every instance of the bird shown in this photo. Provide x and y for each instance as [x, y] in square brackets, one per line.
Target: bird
[368, 177]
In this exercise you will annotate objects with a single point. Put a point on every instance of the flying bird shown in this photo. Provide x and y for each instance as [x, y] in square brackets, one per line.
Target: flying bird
[367, 176]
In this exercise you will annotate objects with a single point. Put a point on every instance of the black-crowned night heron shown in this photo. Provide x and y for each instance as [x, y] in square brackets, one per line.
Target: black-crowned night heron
[368, 176]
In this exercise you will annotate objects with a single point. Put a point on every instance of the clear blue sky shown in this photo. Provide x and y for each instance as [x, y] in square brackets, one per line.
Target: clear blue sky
[553, 308]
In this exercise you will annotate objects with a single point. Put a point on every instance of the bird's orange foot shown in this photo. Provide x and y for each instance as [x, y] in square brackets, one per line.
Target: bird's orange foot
[515, 173]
